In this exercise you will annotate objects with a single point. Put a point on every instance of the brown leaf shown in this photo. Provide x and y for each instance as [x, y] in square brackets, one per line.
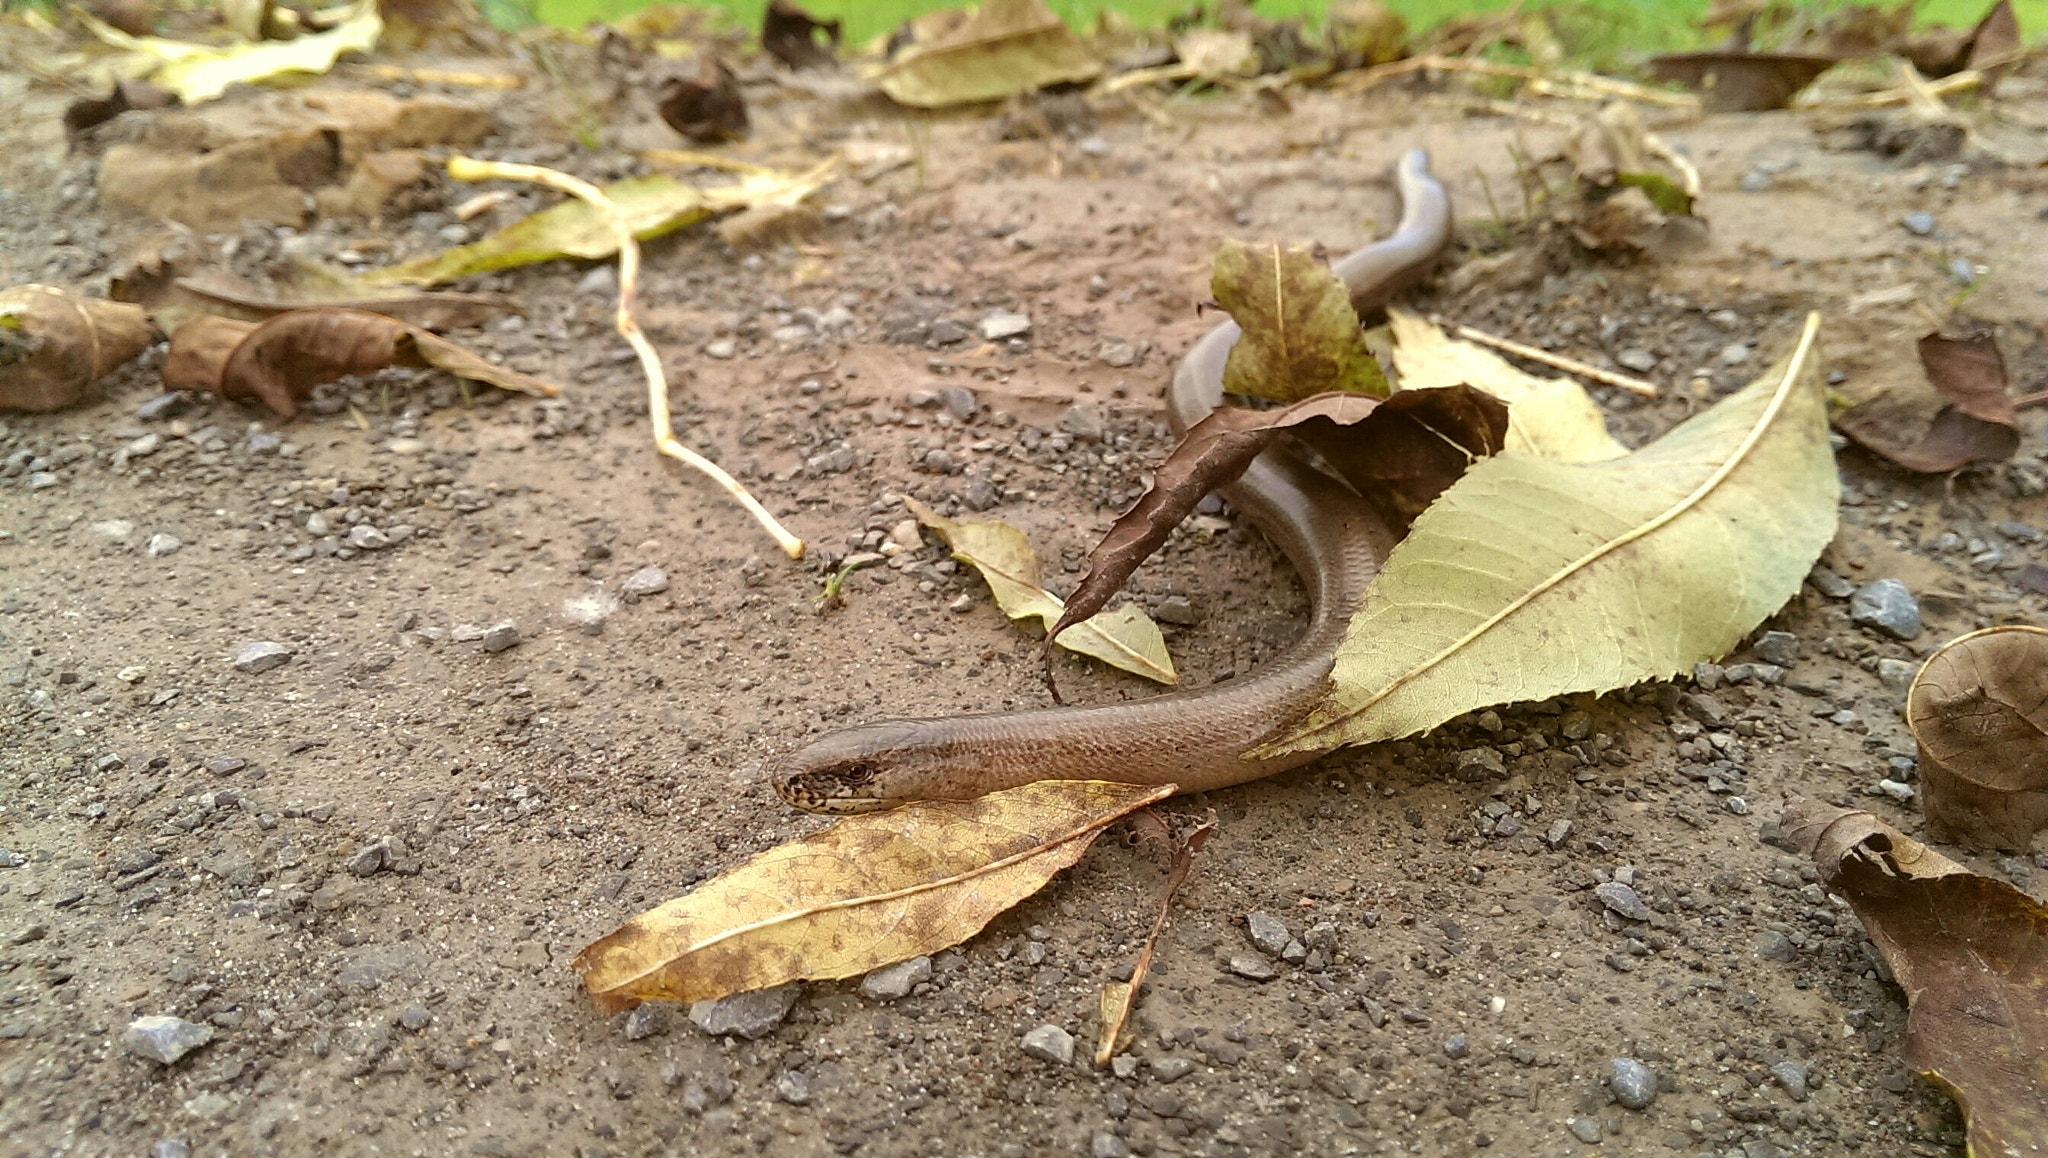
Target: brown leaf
[1118, 997]
[1971, 954]
[88, 113]
[869, 890]
[281, 360]
[1995, 44]
[790, 35]
[707, 105]
[1399, 452]
[55, 344]
[1739, 82]
[160, 278]
[1971, 420]
[1979, 710]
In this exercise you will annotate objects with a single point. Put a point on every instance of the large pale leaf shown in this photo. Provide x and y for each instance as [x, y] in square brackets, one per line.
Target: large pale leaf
[201, 72]
[1006, 48]
[1531, 577]
[1549, 417]
[652, 205]
[867, 891]
[1123, 638]
[1972, 955]
[1301, 336]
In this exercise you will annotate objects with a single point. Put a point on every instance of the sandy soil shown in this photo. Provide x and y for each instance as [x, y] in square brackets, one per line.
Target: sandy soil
[191, 840]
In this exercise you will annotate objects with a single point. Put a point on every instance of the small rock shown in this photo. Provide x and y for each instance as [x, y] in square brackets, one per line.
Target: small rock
[721, 348]
[1622, 900]
[1754, 181]
[135, 860]
[1896, 790]
[11, 859]
[644, 1022]
[1634, 1086]
[163, 406]
[1171, 1069]
[1081, 422]
[164, 1039]
[161, 544]
[1791, 1075]
[501, 637]
[1119, 354]
[1176, 609]
[364, 537]
[960, 402]
[1586, 1130]
[946, 332]
[42, 480]
[1736, 805]
[891, 982]
[1896, 674]
[1778, 647]
[793, 1087]
[1050, 1043]
[750, 1015]
[600, 282]
[1772, 945]
[1636, 358]
[1830, 584]
[1252, 967]
[1457, 1047]
[1919, 224]
[644, 582]
[1000, 324]
[1886, 605]
[415, 1017]
[1558, 832]
[1103, 1144]
[1267, 932]
[1734, 353]
[262, 656]
[370, 859]
[1124, 1065]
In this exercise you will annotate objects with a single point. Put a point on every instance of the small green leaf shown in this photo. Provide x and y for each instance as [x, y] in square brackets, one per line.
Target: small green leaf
[1662, 191]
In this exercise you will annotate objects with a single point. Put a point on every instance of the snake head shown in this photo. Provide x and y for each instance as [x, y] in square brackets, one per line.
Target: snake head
[843, 773]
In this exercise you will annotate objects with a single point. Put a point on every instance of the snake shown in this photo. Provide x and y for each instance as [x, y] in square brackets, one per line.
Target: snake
[1195, 739]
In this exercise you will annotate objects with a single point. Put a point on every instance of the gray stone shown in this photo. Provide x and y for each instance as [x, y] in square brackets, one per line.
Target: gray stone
[1103, 1144]
[1896, 674]
[793, 1087]
[163, 406]
[164, 1039]
[1830, 584]
[1081, 422]
[1622, 900]
[1000, 324]
[161, 544]
[11, 859]
[1754, 181]
[262, 656]
[364, 537]
[644, 582]
[1050, 1043]
[1171, 1069]
[721, 349]
[1252, 967]
[750, 1015]
[370, 859]
[1586, 1130]
[1919, 224]
[1734, 354]
[1119, 354]
[1792, 1076]
[1896, 790]
[1636, 358]
[415, 1017]
[135, 860]
[1558, 832]
[1267, 932]
[1772, 945]
[501, 637]
[1634, 1085]
[1778, 647]
[1886, 605]
[170, 1147]
[946, 332]
[42, 480]
[1176, 609]
[1479, 764]
[891, 982]
[644, 1022]
[960, 402]
[1457, 1047]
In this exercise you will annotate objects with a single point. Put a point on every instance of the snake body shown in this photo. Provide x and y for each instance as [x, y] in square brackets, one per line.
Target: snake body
[1195, 739]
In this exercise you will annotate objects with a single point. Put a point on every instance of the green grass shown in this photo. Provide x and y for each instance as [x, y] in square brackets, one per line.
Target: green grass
[1640, 25]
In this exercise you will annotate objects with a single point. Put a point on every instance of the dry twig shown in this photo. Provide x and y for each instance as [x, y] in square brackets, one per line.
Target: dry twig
[1556, 361]
[471, 169]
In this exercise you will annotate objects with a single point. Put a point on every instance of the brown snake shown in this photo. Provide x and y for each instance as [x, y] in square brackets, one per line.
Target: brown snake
[1195, 739]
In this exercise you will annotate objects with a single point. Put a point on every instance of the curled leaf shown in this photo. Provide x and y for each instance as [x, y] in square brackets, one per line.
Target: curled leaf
[1530, 577]
[1550, 417]
[1741, 82]
[281, 360]
[1006, 48]
[706, 105]
[1125, 638]
[790, 35]
[868, 891]
[55, 344]
[1962, 416]
[1301, 336]
[1979, 710]
[1971, 954]
[1119, 997]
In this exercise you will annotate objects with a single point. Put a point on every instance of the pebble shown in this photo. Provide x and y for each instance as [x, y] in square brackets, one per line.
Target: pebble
[11, 859]
[644, 1022]
[1081, 422]
[600, 282]
[1830, 584]
[946, 331]
[364, 537]
[1171, 1069]
[1457, 1047]
[1962, 271]
[750, 1015]
[161, 544]
[891, 982]
[1000, 324]
[164, 1039]
[1176, 609]
[1896, 674]
[262, 656]
[721, 349]
[1736, 805]
[1622, 900]
[1267, 932]
[793, 1087]
[1772, 945]
[1792, 1076]
[370, 859]
[501, 637]
[170, 1148]
[163, 406]
[1558, 832]
[1050, 1043]
[1103, 1144]
[644, 582]
[1886, 605]
[416, 1017]
[1252, 967]
[1636, 358]
[1919, 224]
[1896, 790]
[1754, 181]
[960, 402]
[42, 480]
[1634, 1085]
[1734, 353]
[1119, 354]
[1778, 647]
[1586, 1130]
[135, 860]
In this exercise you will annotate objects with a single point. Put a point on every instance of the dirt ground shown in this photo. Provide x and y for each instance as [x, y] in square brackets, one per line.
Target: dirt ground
[366, 870]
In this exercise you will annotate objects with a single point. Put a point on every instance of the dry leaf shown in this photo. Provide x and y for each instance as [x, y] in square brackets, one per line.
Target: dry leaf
[790, 35]
[1979, 710]
[1125, 638]
[1006, 48]
[1531, 578]
[1399, 453]
[55, 344]
[1363, 33]
[867, 891]
[706, 105]
[1118, 997]
[281, 360]
[200, 72]
[1966, 418]
[1971, 954]
[1741, 82]
[1300, 333]
[88, 113]
[1549, 417]
[1217, 53]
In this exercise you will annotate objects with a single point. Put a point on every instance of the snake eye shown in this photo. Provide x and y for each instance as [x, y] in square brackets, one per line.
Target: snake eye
[857, 772]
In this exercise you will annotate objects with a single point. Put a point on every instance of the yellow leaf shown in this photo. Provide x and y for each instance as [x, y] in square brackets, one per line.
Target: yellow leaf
[869, 890]
[1007, 48]
[1124, 637]
[1550, 417]
[1531, 577]
[200, 72]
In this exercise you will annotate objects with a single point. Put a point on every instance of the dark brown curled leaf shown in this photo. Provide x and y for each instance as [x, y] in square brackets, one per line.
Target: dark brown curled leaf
[1741, 82]
[1971, 954]
[1975, 421]
[1399, 453]
[790, 35]
[1979, 711]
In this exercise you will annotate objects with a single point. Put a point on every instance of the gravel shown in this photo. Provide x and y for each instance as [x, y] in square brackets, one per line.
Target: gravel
[1267, 932]
[1252, 967]
[1633, 1083]
[750, 1015]
[644, 582]
[162, 544]
[1793, 1077]
[501, 637]
[1919, 224]
[1050, 1043]
[164, 1039]
[891, 982]
[1778, 647]
[1000, 324]
[262, 656]
[1886, 605]
[1622, 900]
[1586, 1130]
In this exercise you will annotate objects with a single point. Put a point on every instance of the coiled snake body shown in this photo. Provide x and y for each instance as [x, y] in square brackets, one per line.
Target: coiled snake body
[1195, 739]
